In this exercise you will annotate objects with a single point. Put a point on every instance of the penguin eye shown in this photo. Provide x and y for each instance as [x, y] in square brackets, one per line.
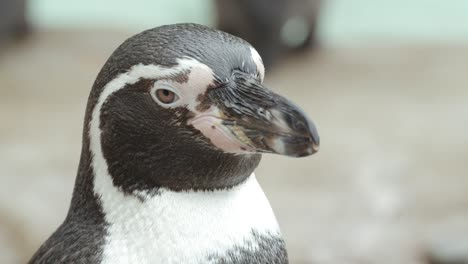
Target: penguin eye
[166, 96]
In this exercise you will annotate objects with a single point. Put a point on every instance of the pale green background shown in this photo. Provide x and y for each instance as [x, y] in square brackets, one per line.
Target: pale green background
[343, 21]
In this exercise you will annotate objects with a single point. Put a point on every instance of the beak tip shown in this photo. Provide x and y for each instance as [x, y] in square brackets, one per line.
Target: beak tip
[313, 137]
[315, 147]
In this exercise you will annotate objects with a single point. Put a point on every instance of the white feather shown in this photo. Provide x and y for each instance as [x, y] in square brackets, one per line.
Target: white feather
[183, 227]
[258, 62]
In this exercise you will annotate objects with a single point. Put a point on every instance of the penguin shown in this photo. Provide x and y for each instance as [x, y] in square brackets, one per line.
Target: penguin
[176, 123]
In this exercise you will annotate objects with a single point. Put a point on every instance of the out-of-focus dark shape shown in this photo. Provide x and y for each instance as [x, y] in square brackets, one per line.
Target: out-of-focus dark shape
[13, 23]
[273, 27]
[449, 248]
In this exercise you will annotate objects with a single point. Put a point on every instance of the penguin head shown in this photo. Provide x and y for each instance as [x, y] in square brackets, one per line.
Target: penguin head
[183, 107]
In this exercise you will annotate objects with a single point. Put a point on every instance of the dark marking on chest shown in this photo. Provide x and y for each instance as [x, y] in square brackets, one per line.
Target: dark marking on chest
[269, 249]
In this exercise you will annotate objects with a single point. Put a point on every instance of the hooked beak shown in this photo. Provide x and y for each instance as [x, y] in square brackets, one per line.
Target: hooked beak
[250, 118]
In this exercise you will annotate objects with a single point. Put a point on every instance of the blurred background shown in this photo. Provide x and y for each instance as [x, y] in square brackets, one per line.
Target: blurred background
[386, 82]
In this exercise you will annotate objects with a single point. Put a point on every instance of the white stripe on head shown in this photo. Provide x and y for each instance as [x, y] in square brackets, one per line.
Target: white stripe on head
[173, 227]
[136, 73]
[258, 61]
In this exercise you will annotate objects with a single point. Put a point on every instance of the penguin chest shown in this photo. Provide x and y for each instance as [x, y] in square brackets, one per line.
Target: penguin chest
[192, 227]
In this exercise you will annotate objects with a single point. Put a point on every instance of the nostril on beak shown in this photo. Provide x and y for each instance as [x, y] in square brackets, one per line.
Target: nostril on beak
[301, 126]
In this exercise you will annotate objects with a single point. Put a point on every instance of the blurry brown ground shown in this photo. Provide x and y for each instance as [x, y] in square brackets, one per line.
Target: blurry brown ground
[391, 174]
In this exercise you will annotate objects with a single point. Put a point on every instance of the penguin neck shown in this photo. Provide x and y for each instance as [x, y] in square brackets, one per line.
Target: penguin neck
[170, 224]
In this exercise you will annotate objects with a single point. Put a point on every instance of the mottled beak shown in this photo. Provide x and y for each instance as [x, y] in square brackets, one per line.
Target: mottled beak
[252, 118]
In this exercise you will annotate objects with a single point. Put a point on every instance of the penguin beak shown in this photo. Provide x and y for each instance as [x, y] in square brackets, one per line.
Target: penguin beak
[252, 118]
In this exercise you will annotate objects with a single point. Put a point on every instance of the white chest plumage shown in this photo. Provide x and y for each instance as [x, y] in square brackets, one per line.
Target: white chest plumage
[184, 227]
